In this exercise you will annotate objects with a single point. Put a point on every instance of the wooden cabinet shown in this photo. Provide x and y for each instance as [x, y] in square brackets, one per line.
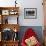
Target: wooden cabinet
[9, 25]
[10, 43]
[6, 12]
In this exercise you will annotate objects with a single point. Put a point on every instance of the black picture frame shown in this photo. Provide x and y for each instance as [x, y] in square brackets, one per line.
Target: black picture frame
[30, 13]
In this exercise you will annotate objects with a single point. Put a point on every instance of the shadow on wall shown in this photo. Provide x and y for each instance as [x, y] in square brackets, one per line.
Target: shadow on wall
[37, 29]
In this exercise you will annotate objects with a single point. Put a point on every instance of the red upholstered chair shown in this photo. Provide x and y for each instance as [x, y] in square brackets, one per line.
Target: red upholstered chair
[29, 33]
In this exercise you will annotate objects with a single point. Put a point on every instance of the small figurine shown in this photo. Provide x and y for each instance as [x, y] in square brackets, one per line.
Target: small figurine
[15, 3]
[6, 21]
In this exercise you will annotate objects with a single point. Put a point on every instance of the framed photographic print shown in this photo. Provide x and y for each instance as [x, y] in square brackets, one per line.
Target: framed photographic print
[5, 12]
[30, 13]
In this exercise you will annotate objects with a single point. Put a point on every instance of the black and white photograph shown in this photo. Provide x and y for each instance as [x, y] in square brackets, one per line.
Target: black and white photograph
[30, 13]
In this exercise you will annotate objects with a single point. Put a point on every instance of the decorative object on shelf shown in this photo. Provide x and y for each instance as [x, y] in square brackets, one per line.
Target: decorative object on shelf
[7, 34]
[15, 3]
[15, 37]
[6, 21]
[0, 19]
[13, 12]
[30, 13]
[0, 12]
[15, 34]
[5, 12]
[15, 30]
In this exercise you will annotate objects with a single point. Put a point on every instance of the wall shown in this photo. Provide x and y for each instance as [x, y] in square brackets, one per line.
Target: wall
[31, 4]
[7, 3]
[27, 4]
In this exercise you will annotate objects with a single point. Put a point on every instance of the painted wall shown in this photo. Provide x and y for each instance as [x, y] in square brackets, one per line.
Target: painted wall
[27, 4]
[31, 4]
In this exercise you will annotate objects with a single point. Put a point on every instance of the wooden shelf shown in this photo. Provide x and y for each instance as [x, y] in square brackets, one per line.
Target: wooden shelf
[9, 43]
[9, 8]
[4, 13]
[11, 26]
